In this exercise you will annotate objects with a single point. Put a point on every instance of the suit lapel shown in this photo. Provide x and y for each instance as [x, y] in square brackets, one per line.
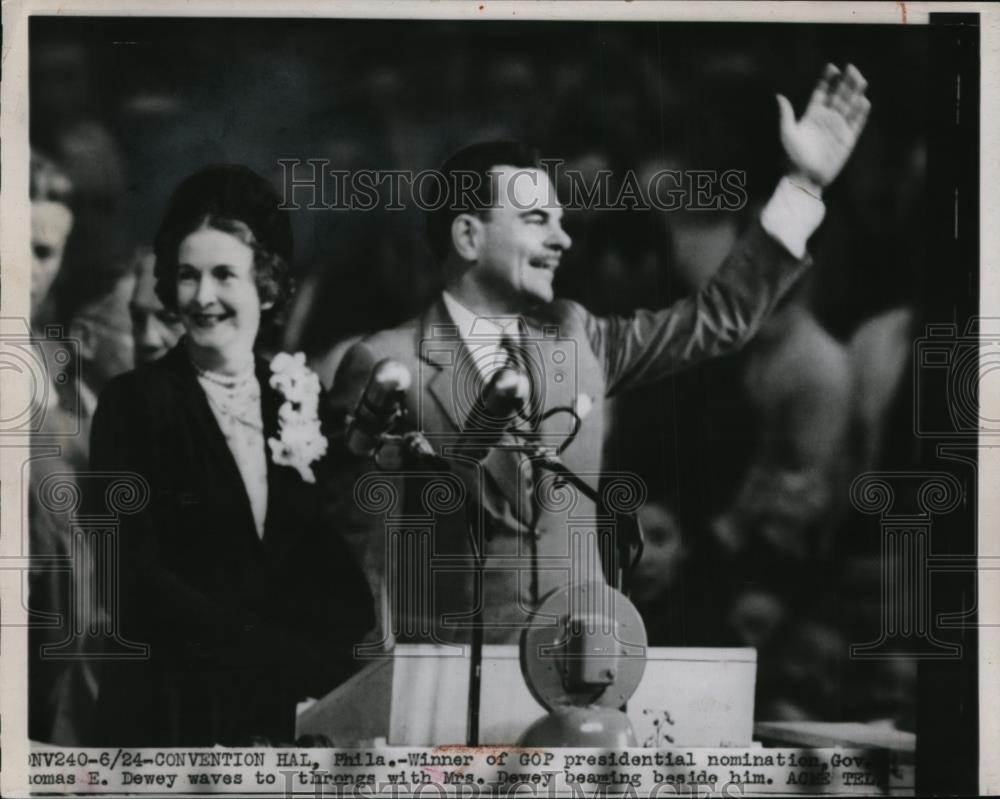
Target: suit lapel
[552, 362]
[270, 402]
[287, 498]
[291, 501]
[441, 349]
[453, 383]
[451, 375]
[221, 465]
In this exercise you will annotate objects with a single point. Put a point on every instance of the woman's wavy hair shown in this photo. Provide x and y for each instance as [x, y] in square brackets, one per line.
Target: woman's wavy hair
[238, 201]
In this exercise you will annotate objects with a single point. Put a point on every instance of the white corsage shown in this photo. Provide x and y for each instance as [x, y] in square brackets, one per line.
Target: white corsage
[300, 441]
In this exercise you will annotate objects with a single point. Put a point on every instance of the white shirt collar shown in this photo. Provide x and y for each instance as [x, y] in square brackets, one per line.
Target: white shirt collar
[481, 335]
[475, 329]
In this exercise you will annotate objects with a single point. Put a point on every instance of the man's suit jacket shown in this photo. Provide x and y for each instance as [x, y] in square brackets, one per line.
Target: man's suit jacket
[421, 542]
[239, 626]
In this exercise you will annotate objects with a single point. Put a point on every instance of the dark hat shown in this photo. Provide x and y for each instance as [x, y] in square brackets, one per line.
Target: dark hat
[229, 191]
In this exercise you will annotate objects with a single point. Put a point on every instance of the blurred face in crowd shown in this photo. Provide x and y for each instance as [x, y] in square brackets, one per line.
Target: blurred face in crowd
[104, 332]
[155, 329]
[662, 556]
[217, 299]
[51, 223]
[518, 243]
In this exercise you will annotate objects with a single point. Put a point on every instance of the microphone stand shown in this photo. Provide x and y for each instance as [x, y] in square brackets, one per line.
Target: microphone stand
[416, 446]
[630, 545]
[476, 651]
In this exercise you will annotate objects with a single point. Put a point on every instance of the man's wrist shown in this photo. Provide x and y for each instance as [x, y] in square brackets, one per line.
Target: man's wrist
[809, 185]
[792, 215]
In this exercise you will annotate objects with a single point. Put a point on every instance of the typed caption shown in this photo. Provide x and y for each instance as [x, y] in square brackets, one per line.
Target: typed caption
[469, 773]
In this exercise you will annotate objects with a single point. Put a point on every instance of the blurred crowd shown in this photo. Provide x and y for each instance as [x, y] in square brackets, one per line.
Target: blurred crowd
[750, 538]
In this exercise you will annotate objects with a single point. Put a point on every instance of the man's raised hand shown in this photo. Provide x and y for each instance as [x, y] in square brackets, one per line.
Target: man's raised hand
[819, 144]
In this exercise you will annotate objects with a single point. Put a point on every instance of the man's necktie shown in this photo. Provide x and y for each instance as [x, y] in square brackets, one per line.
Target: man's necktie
[516, 358]
[511, 352]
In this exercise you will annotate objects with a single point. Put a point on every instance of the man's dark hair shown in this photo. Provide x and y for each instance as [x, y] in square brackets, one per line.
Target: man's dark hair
[97, 257]
[469, 187]
[48, 181]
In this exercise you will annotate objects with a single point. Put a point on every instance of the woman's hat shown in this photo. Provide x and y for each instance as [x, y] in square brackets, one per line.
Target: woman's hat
[229, 191]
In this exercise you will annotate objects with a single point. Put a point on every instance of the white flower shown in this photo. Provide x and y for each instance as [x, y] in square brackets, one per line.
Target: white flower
[583, 406]
[287, 364]
[300, 441]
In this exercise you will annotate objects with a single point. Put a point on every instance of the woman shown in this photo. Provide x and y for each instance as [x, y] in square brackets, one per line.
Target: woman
[247, 603]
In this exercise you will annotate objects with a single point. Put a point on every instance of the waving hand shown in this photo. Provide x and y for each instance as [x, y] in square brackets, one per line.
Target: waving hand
[819, 144]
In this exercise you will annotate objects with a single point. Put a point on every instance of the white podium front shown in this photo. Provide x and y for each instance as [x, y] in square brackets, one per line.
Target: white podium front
[417, 695]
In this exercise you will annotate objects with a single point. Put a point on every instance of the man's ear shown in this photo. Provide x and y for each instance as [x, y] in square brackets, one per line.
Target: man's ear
[81, 330]
[467, 236]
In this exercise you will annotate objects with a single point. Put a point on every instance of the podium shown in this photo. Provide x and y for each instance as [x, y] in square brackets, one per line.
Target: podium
[417, 694]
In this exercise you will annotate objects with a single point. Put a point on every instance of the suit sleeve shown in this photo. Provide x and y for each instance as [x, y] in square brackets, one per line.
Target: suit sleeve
[157, 604]
[720, 318]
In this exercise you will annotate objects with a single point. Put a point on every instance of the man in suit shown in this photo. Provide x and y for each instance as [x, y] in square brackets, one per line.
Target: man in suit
[499, 239]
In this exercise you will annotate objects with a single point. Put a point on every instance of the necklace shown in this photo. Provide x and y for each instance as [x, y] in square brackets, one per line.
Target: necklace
[230, 382]
[236, 397]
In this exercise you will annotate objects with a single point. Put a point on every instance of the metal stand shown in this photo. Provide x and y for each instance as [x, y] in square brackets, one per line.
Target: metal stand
[415, 447]
[629, 546]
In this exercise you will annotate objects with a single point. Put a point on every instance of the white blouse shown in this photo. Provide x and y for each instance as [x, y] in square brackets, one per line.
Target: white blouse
[235, 402]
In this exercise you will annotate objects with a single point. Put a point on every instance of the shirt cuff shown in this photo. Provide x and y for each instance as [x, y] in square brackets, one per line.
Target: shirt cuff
[792, 215]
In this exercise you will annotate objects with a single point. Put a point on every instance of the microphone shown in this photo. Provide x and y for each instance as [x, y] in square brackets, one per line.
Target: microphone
[502, 399]
[378, 408]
